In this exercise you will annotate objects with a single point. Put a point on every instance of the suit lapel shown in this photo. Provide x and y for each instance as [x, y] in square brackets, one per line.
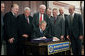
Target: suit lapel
[37, 19]
[25, 19]
[74, 18]
[44, 18]
[69, 20]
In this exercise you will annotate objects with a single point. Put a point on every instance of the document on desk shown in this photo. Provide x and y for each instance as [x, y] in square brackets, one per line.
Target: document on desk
[56, 39]
[38, 39]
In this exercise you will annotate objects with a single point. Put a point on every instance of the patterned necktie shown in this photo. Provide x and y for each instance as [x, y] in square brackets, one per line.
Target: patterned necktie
[27, 20]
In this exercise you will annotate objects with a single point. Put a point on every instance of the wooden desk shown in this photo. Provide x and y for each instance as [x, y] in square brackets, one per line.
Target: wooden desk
[42, 48]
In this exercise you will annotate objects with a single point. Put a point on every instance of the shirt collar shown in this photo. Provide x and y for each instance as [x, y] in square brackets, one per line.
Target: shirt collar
[72, 14]
[13, 13]
[40, 30]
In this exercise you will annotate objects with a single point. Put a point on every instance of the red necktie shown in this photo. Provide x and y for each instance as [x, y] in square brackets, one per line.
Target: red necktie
[40, 18]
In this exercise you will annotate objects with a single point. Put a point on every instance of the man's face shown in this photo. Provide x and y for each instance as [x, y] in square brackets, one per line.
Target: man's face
[61, 11]
[43, 26]
[71, 10]
[42, 10]
[49, 12]
[16, 9]
[54, 13]
[2, 7]
[27, 13]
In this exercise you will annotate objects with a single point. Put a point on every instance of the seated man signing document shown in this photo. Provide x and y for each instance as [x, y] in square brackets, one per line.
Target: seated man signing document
[42, 33]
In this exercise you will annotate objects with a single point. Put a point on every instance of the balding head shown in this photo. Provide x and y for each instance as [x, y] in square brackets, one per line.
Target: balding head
[15, 8]
[71, 9]
[2, 6]
[61, 10]
[42, 9]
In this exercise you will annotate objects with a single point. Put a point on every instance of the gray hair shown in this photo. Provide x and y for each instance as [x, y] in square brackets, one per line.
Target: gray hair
[27, 8]
[42, 6]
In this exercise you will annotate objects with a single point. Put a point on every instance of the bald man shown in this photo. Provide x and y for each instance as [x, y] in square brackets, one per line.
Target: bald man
[64, 16]
[40, 16]
[10, 28]
[75, 32]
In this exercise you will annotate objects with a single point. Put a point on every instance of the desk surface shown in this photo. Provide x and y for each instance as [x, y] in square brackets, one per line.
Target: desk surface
[48, 47]
[43, 44]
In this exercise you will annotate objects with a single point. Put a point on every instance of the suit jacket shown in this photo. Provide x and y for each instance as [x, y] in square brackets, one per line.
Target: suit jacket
[36, 21]
[38, 34]
[2, 29]
[57, 27]
[10, 26]
[23, 26]
[65, 29]
[76, 28]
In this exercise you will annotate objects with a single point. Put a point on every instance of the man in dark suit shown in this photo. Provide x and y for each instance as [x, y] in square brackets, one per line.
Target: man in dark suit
[11, 30]
[40, 16]
[64, 16]
[75, 30]
[49, 12]
[2, 24]
[57, 25]
[25, 27]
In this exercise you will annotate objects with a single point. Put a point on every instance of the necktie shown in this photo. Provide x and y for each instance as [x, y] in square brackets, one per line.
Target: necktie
[40, 18]
[71, 18]
[28, 20]
[54, 20]
[63, 17]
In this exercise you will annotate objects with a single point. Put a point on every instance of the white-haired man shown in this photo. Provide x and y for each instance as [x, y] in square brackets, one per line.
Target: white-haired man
[24, 22]
[40, 16]
[10, 29]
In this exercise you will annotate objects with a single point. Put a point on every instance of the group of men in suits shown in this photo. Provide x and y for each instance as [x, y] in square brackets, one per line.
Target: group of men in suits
[21, 28]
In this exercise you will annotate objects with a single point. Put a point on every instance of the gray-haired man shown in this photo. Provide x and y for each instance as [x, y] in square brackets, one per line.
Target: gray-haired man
[24, 22]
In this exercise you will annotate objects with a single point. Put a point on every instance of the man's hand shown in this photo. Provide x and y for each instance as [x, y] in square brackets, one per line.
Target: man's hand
[62, 37]
[55, 39]
[43, 37]
[81, 37]
[25, 35]
[11, 40]
[68, 37]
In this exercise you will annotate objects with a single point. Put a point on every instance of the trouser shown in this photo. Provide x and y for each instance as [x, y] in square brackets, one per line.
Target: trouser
[11, 48]
[76, 45]
[21, 46]
[0, 47]
[3, 48]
